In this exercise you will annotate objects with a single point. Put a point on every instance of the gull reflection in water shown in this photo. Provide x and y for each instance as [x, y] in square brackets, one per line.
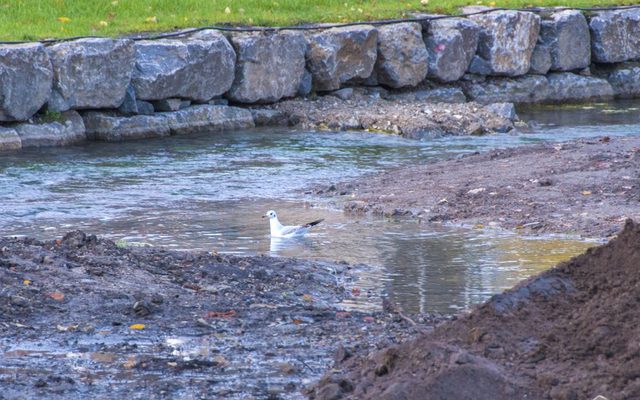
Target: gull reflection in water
[289, 247]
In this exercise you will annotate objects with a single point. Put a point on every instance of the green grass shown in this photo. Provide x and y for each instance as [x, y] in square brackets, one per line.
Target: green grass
[39, 19]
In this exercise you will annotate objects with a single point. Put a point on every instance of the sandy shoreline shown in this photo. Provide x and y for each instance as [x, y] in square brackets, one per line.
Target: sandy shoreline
[584, 187]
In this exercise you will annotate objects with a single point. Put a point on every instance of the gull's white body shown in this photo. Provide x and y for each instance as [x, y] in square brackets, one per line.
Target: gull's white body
[287, 231]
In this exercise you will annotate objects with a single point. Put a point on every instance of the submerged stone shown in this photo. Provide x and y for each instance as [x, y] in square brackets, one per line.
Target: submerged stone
[207, 118]
[109, 127]
[68, 130]
[9, 139]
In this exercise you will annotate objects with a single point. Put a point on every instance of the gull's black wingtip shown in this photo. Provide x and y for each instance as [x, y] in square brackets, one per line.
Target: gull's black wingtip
[314, 223]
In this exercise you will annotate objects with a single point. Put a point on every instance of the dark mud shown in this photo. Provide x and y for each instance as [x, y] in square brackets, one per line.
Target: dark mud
[587, 187]
[83, 318]
[569, 333]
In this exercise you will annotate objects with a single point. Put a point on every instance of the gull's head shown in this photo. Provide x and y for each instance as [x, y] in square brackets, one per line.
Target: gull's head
[270, 214]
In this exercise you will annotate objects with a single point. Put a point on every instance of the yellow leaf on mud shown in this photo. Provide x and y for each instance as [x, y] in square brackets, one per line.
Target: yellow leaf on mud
[137, 327]
[26, 282]
[57, 296]
[307, 297]
[586, 192]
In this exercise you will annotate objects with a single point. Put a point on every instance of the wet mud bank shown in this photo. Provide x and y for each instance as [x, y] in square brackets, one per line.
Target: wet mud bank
[81, 316]
[569, 333]
[585, 187]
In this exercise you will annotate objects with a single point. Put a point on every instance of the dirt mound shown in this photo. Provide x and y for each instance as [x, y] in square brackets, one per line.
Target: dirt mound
[569, 333]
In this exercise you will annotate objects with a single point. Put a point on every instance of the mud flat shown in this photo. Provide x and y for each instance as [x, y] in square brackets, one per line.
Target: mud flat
[585, 187]
[568, 333]
[82, 317]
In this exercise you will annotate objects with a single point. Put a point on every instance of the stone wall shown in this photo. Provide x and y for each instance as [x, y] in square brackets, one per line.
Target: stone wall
[117, 89]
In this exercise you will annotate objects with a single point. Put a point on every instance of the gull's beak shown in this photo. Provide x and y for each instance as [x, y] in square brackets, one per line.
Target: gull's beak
[264, 216]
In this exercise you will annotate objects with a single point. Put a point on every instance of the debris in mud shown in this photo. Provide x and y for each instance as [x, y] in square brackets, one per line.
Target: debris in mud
[415, 119]
[569, 333]
[152, 323]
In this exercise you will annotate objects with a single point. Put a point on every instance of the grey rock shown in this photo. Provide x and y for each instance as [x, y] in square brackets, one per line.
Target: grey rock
[507, 40]
[198, 68]
[167, 105]
[25, 80]
[343, 94]
[269, 66]
[615, 36]
[69, 130]
[540, 59]
[306, 84]
[451, 44]
[625, 80]
[129, 105]
[90, 73]
[105, 126]
[480, 66]
[567, 36]
[218, 102]
[505, 110]
[525, 89]
[565, 86]
[402, 56]
[442, 95]
[268, 117]
[208, 118]
[9, 139]
[133, 106]
[341, 54]
[144, 107]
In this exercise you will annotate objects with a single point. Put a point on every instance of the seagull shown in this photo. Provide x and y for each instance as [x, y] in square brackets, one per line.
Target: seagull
[280, 231]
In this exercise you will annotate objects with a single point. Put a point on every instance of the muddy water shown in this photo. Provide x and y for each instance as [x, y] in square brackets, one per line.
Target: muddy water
[207, 192]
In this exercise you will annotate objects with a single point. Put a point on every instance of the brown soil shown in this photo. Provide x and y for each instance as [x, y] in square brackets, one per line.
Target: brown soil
[244, 327]
[409, 118]
[588, 187]
[569, 333]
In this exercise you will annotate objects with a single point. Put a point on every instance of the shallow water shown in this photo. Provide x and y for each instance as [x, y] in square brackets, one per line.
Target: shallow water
[207, 192]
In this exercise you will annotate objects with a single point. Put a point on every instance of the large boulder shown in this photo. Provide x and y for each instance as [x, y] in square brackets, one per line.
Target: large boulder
[565, 86]
[567, 36]
[507, 40]
[402, 55]
[25, 80]
[269, 66]
[615, 36]
[524, 89]
[108, 127]
[197, 68]
[69, 129]
[9, 139]
[451, 44]
[90, 73]
[341, 54]
[208, 118]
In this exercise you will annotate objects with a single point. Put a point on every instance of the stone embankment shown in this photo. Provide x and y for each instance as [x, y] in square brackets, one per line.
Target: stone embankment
[118, 89]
